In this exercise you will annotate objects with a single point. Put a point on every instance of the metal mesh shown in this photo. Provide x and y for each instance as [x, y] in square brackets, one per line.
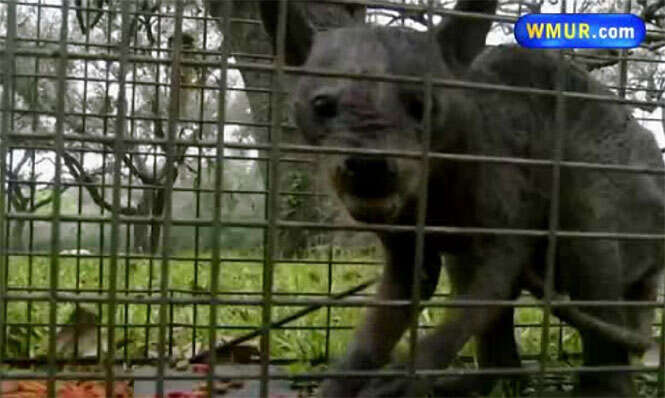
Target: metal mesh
[136, 195]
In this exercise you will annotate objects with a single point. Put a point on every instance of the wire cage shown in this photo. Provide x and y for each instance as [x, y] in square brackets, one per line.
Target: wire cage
[158, 203]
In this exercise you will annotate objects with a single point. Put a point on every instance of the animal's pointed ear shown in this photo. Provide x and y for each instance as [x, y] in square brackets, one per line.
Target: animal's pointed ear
[462, 39]
[299, 29]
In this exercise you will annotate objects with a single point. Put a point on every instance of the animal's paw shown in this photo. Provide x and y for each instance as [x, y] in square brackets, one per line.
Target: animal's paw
[341, 388]
[397, 387]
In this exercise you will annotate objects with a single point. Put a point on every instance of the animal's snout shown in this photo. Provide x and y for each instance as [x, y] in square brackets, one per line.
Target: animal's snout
[370, 177]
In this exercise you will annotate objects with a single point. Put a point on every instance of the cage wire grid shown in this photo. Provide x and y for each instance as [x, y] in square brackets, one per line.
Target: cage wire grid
[112, 297]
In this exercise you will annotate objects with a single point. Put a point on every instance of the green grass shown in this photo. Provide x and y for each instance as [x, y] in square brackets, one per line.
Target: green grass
[238, 280]
[137, 324]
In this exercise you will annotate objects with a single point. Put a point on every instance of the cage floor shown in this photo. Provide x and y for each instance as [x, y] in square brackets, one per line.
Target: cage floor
[247, 388]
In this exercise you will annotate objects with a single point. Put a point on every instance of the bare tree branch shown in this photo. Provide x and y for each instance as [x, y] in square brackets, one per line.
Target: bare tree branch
[23, 161]
[79, 173]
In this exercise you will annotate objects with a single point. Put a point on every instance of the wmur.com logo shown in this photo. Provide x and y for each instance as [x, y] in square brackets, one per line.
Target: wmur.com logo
[580, 31]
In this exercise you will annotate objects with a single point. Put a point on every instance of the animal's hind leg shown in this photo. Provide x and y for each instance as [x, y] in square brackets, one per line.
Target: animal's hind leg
[600, 352]
[595, 270]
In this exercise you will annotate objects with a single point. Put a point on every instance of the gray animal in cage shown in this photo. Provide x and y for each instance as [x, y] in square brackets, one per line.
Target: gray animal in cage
[370, 114]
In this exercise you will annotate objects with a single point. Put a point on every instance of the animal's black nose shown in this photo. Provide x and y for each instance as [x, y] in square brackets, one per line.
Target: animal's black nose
[325, 106]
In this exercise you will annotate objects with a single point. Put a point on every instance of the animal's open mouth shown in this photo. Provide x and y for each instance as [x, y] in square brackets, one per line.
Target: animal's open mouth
[367, 177]
[368, 187]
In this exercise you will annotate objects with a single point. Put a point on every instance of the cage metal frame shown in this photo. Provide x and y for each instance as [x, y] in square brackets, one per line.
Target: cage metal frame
[113, 297]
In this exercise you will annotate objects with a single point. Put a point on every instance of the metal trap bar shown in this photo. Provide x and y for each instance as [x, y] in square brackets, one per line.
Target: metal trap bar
[111, 221]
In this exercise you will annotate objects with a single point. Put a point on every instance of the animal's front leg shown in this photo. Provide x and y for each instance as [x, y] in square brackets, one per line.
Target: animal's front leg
[383, 326]
[493, 275]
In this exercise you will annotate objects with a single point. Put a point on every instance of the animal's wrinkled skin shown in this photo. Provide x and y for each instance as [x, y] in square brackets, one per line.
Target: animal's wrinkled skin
[380, 115]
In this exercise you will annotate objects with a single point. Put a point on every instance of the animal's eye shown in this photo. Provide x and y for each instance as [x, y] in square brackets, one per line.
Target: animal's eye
[324, 106]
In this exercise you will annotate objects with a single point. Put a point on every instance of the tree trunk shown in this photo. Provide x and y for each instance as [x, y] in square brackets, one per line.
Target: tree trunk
[159, 200]
[144, 208]
[17, 235]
